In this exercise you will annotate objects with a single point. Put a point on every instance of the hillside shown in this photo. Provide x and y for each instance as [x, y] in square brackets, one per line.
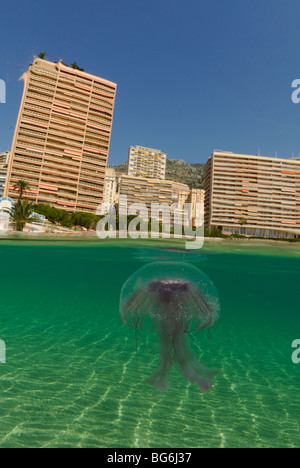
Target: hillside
[179, 171]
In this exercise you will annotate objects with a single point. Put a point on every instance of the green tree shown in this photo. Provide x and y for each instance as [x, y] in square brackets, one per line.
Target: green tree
[76, 67]
[242, 221]
[42, 55]
[213, 231]
[22, 214]
[56, 215]
[21, 186]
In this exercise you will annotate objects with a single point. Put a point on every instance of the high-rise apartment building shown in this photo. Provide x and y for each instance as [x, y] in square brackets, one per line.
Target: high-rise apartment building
[62, 136]
[253, 195]
[146, 162]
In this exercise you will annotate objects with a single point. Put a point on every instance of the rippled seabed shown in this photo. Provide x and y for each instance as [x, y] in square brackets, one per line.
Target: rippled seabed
[73, 378]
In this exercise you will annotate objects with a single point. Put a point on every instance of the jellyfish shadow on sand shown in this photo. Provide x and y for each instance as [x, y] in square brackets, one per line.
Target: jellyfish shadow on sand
[172, 300]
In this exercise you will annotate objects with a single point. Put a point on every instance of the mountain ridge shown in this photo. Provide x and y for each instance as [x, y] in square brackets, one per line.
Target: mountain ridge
[178, 170]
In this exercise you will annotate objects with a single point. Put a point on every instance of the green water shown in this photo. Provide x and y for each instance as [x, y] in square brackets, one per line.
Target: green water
[72, 376]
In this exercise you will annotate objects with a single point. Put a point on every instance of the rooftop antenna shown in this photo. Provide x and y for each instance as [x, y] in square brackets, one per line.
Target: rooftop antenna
[258, 152]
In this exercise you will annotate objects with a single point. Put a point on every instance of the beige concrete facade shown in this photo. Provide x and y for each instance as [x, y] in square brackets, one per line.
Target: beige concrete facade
[146, 162]
[253, 195]
[196, 199]
[62, 137]
[148, 191]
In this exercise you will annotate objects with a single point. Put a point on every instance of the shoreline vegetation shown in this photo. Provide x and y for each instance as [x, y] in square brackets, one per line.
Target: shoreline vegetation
[91, 237]
[89, 221]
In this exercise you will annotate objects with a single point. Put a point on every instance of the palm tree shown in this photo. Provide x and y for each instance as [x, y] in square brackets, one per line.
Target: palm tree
[21, 186]
[22, 214]
[42, 55]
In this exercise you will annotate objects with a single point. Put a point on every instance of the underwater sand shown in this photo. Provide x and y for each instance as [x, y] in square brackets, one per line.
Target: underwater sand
[73, 377]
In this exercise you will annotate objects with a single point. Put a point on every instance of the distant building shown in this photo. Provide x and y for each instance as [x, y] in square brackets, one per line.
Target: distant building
[180, 193]
[110, 187]
[148, 191]
[146, 162]
[6, 204]
[62, 136]
[4, 160]
[196, 199]
[4, 221]
[253, 195]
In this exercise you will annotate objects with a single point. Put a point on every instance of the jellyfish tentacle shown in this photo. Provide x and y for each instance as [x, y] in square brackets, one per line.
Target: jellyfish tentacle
[159, 378]
[191, 367]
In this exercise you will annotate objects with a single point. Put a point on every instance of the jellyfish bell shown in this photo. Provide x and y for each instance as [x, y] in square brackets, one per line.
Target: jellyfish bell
[172, 299]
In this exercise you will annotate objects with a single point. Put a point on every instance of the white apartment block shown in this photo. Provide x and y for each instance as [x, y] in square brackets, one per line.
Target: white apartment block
[146, 162]
[110, 187]
[4, 160]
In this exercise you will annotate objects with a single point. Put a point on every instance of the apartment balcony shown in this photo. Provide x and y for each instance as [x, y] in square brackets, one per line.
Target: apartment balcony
[37, 108]
[36, 151]
[33, 124]
[56, 124]
[54, 195]
[36, 96]
[38, 88]
[100, 119]
[88, 177]
[34, 117]
[96, 139]
[63, 166]
[66, 137]
[101, 87]
[93, 188]
[43, 78]
[75, 94]
[86, 194]
[38, 134]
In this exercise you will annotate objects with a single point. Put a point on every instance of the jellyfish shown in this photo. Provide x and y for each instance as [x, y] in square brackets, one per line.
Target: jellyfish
[172, 300]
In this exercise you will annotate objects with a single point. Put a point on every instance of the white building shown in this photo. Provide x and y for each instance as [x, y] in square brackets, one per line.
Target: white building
[110, 186]
[146, 162]
[4, 160]
[4, 221]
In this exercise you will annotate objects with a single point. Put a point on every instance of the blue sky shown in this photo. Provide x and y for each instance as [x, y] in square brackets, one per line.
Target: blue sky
[192, 75]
